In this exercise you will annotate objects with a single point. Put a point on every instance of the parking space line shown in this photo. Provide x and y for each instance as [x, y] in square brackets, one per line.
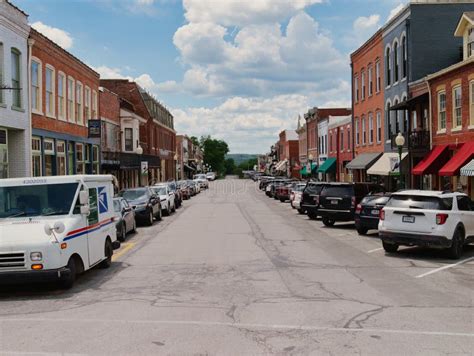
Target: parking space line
[125, 247]
[445, 267]
[375, 250]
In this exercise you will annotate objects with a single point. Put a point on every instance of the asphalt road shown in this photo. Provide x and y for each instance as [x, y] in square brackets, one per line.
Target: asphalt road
[234, 272]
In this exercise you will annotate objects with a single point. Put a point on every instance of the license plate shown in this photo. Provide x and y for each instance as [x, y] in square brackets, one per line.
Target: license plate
[408, 219]
[375, 212]
[334, 202]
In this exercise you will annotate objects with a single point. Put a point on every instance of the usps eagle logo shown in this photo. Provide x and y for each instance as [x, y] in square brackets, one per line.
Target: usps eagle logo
[103, 206]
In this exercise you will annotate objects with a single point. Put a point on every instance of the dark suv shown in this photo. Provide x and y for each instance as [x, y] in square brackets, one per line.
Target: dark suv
[310, 198]
[338, 201]
[368, 211]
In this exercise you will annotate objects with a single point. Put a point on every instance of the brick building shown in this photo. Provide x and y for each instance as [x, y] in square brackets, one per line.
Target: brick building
[64, 97]
[340, 145]
[452, 124]
[15, 125]
[288, 147]
[157, 136]
[189, 157]
[368, 106]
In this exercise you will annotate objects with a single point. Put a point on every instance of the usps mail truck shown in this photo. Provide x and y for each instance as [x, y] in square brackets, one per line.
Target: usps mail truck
[54, 228]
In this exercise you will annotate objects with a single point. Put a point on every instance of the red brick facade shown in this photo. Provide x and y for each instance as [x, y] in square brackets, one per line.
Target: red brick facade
[340, 147]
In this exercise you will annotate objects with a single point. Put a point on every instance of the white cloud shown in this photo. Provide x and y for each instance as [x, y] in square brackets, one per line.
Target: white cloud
[363, 28]
[60, 37]
[363, 23]
[110, 73]
[145, 2]
[395, 11]
[243, 12]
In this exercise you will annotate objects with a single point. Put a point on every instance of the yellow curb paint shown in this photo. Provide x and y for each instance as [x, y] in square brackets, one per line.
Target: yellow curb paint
[125, 247]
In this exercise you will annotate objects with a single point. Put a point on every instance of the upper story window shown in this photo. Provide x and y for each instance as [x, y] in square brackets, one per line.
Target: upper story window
[35, 85]
[128, 135]
[471, 103]
[371, 128]
[404, 57]
[470, 42]
[70, 99]
[2, 75]
[49, 74]
[348, 138]
[371, 77]
[79, 107]
[362, 91]
[357, 131]
[457, 106]
[379, 126]
[388, 118]
[356, 89]
[342, 140]
[62, 96]
[378, 80]
[87, 103]
[364, 132]
[396, 66]
[441, 110]
[331, 147]
[388, 67]
[94, 105]
[16, 78]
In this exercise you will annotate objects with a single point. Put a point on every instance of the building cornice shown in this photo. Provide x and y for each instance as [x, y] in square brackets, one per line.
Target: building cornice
[458, 65]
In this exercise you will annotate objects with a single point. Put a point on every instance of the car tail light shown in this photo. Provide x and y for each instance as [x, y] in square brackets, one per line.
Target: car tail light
[441, 219]
[353, 202]
[358, 209]
[382, 215]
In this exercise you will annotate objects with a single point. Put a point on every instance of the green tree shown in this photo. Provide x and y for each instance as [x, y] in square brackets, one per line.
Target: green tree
[248, 165]
[214, 153]
[229, 166]
[195, 141]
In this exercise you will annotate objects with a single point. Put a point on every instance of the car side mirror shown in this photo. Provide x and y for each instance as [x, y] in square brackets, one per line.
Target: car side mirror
[83, 197]
[85, 210]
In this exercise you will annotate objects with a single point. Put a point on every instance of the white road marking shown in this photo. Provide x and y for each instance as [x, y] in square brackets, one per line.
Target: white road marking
[445, 267]
[246, 326]
[375, 250]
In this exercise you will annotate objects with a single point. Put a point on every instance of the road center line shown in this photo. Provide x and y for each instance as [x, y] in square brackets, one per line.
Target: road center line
[245, 326]
[375, 249]
[445, 267]
[125, 247]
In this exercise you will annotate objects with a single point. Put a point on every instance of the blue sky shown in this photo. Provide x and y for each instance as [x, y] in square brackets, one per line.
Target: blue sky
[238, 70]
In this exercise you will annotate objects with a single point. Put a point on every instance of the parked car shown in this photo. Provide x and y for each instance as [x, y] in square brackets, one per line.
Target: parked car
[295, 196]
[211, 176]
[146, 204]
[264, 182]
[427, 218]
[196, 186]
[178, 198]
[124, 218]
[201, 179]
[368, 210]
[338, 201]
[310, 198]
[276, 184]
[283, 192]
[167, 198]
[185, 189]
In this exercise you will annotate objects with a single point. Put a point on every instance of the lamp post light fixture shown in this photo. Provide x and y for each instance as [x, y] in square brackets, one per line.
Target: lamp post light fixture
[400, 142]
[139, 152]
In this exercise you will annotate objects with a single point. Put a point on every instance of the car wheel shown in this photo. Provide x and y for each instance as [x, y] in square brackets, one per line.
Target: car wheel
[328, 222]
[168, 210]
[456, 249]
[301, 211]
[69, 281]
[149, 220]
[282, 200]
[109, 251]
[390, 248]
[134, 229]
[123, 232]
[160, 215]
[362, 230]
[312, 215]
[174, 208]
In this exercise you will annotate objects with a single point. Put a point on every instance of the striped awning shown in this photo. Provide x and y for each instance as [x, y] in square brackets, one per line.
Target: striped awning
[468, 169]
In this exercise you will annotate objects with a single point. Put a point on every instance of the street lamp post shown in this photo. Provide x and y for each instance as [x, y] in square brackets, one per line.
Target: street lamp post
[400, 142]
[310, 159]
[139, 152]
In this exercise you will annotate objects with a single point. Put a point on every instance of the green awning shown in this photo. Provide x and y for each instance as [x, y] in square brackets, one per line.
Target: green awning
[328, 166]
[314, 166]
[303, 171]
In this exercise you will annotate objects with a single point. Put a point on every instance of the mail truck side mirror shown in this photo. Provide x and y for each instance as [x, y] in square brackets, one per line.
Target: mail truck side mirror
[83, 197]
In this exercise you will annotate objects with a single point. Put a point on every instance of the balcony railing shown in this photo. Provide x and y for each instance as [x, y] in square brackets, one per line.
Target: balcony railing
[414, 140]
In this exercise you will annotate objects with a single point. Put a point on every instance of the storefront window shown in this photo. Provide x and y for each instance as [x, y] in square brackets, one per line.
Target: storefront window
[80, 165]
[95, 159]
[61, 158]
[36, 156]
[48, 148]
[3, 154]
[70, 158]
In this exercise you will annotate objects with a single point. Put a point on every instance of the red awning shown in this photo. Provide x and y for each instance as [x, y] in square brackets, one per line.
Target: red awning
[464, 155]
[431, 164]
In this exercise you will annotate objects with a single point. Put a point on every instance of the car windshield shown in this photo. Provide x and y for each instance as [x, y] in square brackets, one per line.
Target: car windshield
[117, 208]
[420, 202]
[337, 191]
[299, 188]
[133, 194]
[37, 200]
[159, 190]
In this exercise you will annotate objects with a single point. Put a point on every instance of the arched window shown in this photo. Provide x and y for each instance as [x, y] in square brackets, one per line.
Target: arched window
[404, 57]
[16, 75]
[389, 119]
[395, 63]
[397, 125]
[405, 116]
[388, 66]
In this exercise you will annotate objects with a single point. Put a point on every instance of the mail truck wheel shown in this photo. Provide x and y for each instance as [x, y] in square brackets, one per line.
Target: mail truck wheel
[109, 251]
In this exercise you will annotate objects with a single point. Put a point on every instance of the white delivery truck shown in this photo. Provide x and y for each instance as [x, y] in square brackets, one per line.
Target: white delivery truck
[54, 228]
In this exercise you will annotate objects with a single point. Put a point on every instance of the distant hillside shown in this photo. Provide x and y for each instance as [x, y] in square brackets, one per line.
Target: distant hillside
[240, 157]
